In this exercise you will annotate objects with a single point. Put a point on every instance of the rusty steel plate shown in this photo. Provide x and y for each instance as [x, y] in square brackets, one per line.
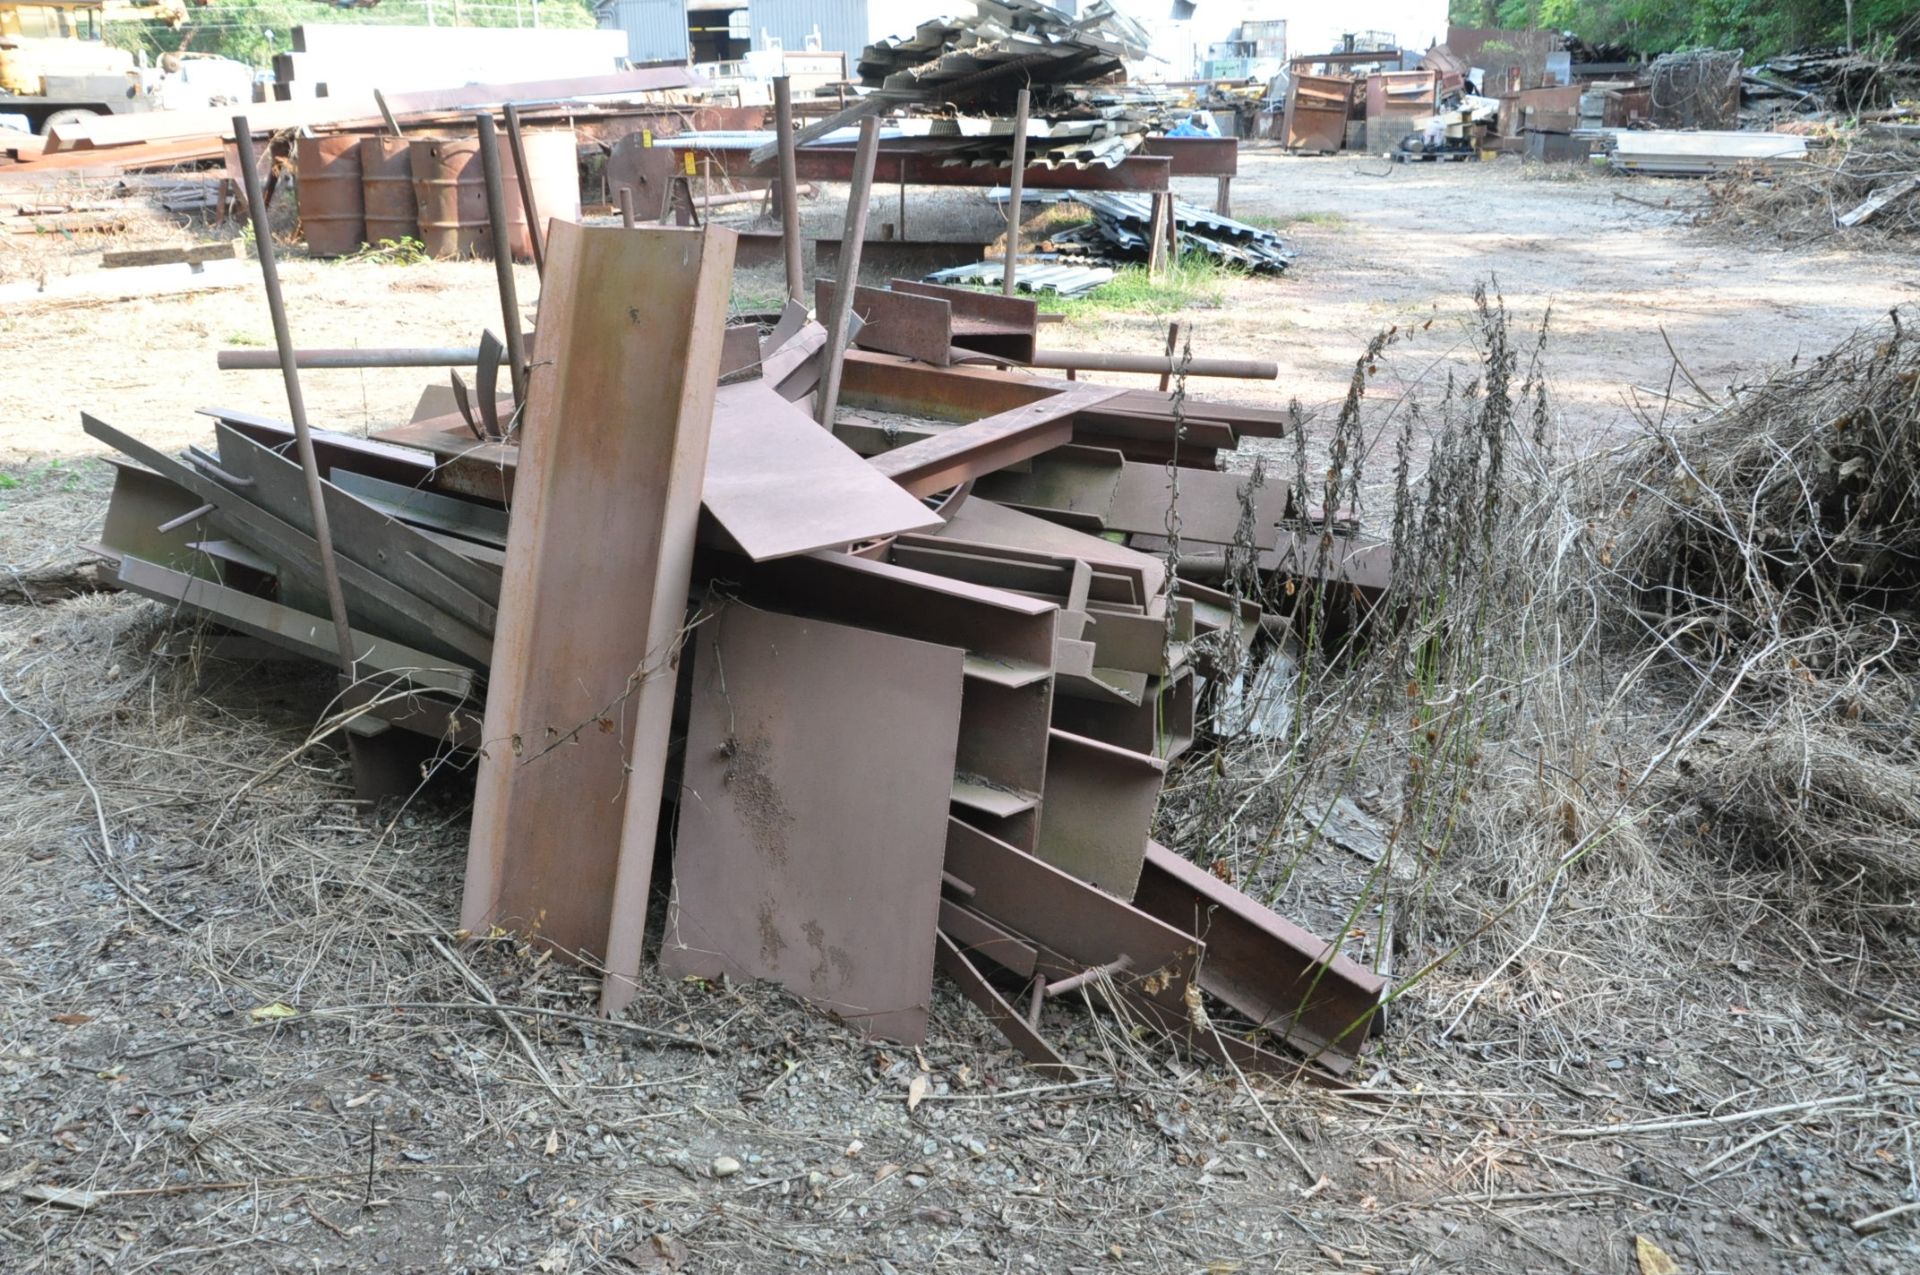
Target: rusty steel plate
[896, 322]
[813, 813]
[779, 485]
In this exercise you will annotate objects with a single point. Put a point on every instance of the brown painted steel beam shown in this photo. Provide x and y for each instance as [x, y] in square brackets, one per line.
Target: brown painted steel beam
[568, 790]
[1300, 988]
[921, 168]
[991, 443]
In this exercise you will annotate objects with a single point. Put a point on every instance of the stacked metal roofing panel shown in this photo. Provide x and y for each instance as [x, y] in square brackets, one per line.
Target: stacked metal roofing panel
[1122, 222]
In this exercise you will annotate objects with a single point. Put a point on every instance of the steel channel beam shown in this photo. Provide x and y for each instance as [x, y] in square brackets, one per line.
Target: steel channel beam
[1301, 988]
[1143, 173]
[896, 322]
[989, 444]
[1196, 156]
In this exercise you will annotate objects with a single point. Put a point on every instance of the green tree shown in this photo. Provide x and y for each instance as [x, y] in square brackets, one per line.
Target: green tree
[252, 31]
[1761, 27]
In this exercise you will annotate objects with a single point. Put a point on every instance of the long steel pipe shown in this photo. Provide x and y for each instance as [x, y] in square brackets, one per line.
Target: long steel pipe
[296, 402]
[853, 237]
[265, 360]
[789, 188]
[536, 229]
[1016, 178]
[1153, 364]
[503, 254]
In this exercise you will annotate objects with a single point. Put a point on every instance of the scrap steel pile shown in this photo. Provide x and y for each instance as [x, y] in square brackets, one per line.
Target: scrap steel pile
[1084, 113]
[1122, 227]
[893, 695]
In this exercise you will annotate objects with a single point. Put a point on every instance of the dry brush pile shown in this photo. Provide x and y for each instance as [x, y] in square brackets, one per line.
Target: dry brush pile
[1804, 202]
[1677, 678]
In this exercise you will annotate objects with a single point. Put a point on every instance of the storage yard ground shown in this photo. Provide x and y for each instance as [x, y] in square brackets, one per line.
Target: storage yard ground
[404, 1126]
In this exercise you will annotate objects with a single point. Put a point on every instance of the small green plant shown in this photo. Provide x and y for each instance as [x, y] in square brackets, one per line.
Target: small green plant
[9, 483]
[243, 338]
[1313, 217]
[1193, 282]
[404, 251]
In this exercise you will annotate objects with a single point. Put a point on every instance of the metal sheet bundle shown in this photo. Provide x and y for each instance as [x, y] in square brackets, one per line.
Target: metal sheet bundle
[1122, 226]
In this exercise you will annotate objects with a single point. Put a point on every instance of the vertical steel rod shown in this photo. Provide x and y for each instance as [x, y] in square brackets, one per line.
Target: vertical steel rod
[852, 238]
[1173, 348]
[296, 402]
[626, 207]
[789, 187]
[1014, 182]
[503, 255]
[536, 229]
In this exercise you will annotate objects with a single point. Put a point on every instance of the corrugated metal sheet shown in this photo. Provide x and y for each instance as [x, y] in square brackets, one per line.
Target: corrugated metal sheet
[656, 29]
[842, 24]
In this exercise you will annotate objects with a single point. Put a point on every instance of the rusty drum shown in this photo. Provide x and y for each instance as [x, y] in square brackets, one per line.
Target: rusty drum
[450, 189]
[386, 181]
[333, 214]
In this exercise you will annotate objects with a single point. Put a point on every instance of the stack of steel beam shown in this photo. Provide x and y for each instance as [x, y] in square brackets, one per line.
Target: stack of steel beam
[890, 697]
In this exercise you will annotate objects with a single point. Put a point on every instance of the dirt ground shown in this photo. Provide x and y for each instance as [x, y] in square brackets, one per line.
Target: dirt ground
[179, 869]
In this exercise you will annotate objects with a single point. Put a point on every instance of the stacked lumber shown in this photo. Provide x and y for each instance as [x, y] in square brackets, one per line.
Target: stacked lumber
[888, 698]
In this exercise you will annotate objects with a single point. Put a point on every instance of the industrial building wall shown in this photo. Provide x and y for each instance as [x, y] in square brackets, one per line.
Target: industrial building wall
[656, 29]
[842, 25]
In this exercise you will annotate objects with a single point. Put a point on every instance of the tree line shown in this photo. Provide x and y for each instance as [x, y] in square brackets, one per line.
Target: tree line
[1763, 28]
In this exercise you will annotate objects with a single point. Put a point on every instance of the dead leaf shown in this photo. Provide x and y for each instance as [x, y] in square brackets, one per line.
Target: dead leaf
[65, 1197]
[657, 1252]
[72, 1020]
[1653, 1259]
[917, 1090]
[553, 1142]
[266, 1013]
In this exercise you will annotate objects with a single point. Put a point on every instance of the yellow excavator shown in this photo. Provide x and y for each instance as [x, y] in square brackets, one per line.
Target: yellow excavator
[57, 68]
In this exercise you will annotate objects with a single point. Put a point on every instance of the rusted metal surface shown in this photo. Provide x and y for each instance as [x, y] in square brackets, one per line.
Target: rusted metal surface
[568, 788]
[1002, 327]
[789, 189]
[1161, 725]
[1097, 810]
[922, 168]
[980, 938]
[954, 963]
[333, 451]
[1016, 176]
[140, 505]
[1154, 364]
[779, 485]
[989, 444]
[853, 234]
[296, 402]
[386, 187]
[494, 159]
[1196, 156]
[462, 589]
[785, 841]
[1077, 924]
[986, 522]
[1299, 988]
[450, 190]
[529, 200]
[1316, 112]
[310, 635]
[333, 208]
[1071, 486]
[895, 322]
